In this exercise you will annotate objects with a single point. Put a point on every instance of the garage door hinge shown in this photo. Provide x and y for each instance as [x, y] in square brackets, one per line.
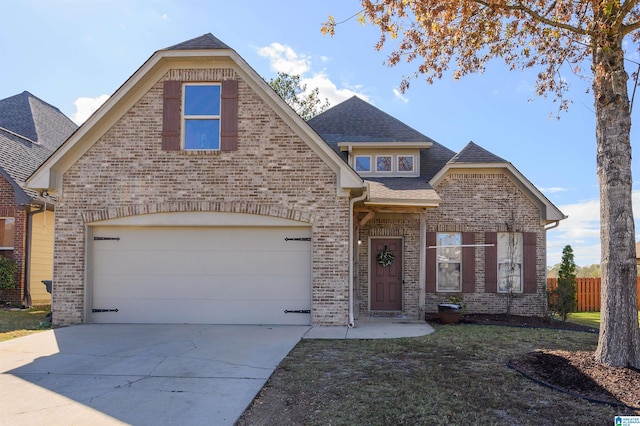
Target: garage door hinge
[298, 239]
[104, 310]
[298, 311]
[106, 238]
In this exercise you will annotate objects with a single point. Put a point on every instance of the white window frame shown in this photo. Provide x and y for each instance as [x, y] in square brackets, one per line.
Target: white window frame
[355, 163]
[447, 256]
[13, 220]
[186, 117]
[413, 164]
[510, 256]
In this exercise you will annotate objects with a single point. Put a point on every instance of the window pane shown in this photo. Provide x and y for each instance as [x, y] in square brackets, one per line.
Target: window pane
[202, 134]
[509, 277]
[509, 262]
[363, 163]
[383, 164]
[405, 163]
[6, 231]
[202, 100]
[449, 254]
[449, 277]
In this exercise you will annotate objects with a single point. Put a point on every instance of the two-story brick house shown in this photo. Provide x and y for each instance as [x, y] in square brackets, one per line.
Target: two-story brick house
[195, 194]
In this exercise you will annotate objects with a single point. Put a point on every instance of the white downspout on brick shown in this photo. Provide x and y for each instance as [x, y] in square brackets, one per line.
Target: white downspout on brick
[352, 244]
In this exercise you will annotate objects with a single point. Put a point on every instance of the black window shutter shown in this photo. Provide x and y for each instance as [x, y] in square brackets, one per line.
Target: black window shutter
[431, 263]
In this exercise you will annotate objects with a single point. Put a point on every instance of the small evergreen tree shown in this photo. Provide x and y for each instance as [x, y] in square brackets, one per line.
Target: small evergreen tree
[562, 299]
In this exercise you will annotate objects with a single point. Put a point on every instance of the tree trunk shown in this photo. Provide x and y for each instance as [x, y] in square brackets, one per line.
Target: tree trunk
[619, 340]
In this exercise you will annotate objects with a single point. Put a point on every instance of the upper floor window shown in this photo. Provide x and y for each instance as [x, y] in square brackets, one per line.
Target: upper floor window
[510, 262]
[7, 233]
[449, 259]
[363, 163]
[201, 117]
[383, 163]
[405, 164]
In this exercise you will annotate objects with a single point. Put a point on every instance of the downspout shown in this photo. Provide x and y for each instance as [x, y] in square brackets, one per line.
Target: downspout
[546, 270]
[351, 254]
[26, 299]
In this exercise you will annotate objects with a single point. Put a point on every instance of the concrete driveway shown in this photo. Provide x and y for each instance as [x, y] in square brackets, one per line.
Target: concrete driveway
[139, 374]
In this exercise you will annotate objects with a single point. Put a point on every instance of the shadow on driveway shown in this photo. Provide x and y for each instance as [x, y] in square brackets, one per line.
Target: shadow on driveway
[140, 374]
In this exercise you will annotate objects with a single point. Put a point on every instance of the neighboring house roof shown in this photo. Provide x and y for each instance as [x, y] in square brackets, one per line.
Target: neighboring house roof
[36, 120]
[30, 130]
[204, 49]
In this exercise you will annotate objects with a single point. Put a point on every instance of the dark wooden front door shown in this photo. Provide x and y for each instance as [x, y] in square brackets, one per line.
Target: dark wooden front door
[386, 281]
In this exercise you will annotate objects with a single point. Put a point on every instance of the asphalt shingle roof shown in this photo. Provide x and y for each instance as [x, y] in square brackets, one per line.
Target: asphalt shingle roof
[205, 41]
[30, 130]
[473, 153]
[36, 120]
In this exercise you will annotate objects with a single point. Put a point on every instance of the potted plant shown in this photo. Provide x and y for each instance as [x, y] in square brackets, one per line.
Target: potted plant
[450, 310]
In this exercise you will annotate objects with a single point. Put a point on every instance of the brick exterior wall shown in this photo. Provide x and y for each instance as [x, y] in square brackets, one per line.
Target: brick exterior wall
[8, 208]
[476, 201]
[273, 172]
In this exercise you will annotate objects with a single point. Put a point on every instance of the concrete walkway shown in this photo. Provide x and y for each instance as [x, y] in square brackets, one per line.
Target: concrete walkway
[372, 328]
[148, 374]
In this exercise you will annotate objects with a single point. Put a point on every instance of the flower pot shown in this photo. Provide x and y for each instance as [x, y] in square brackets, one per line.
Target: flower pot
[449, 313]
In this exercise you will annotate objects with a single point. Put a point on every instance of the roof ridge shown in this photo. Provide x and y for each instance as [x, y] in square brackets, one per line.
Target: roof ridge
[4, 129]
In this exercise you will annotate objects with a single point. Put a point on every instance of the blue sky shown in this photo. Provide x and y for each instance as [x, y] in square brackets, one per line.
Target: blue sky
[73, 54]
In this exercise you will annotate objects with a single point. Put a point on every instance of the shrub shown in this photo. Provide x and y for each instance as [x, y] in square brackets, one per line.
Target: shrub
[7, 273]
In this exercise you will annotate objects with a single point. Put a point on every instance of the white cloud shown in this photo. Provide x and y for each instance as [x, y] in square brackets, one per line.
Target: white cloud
[581, 230]
[399, 96]
[284, 59]
[87, 106]
[552, 190]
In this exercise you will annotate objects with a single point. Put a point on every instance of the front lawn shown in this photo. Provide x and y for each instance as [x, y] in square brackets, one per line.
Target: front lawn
[18, 323]
[457, 375]
[591, 319]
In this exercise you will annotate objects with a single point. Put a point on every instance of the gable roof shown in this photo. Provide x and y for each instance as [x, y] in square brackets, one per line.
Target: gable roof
[473, 156]
[473, 153]
[205, 50]
[205, 41]
[30, 130]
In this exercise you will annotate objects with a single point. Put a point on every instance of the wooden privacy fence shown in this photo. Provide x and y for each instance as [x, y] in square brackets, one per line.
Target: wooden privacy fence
[588, 294]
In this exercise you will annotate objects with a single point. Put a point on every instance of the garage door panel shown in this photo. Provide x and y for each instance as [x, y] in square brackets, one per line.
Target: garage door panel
[204, 263]
[172, 287]
[197, 311]
[201, 275]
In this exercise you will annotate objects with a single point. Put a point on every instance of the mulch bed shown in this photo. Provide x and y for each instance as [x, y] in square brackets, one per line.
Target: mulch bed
[576, 373]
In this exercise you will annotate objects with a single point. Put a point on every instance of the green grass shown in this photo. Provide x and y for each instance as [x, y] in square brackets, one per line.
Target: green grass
[22, 322]
[591, 319]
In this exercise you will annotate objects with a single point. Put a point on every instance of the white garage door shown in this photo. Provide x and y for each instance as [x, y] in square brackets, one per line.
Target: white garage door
[201, 275]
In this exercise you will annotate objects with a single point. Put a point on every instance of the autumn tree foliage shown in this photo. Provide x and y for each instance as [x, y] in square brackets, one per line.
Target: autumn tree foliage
[552, 36]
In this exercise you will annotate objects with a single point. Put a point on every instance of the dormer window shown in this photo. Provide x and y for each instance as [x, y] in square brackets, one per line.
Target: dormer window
[384, 163]
[385, 159]
[406, 164]
[363, 163]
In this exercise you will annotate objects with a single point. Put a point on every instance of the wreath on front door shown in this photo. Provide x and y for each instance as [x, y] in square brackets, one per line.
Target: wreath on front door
[386, 257]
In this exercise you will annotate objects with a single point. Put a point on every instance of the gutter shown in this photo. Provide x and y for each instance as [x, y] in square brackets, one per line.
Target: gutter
[26, 298]
[351, 323]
